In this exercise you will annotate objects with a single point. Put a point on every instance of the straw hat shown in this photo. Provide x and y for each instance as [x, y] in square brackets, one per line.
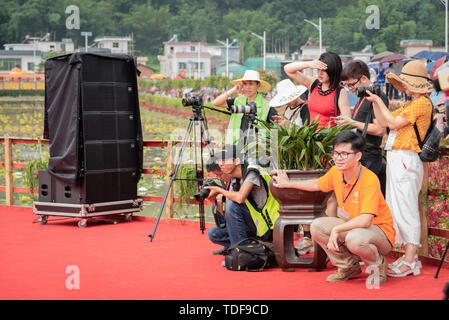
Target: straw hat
[286, 92]
[413, 77]
[251, 75]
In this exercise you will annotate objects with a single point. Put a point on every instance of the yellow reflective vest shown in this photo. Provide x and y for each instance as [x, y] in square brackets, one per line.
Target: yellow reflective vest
[265, 219]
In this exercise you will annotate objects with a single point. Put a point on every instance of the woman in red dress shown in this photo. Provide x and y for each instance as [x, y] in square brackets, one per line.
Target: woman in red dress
[322, 88]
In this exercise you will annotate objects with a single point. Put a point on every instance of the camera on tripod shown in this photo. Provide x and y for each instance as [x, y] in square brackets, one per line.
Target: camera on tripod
[204, 193]
[194, 101]
[250, 108]
[375, 89]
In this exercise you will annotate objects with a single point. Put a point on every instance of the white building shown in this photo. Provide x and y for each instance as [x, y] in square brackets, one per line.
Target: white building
[28, 55]
[412, 47]
[26, 60]
[181, 59]
[116, 45]
[42, 44]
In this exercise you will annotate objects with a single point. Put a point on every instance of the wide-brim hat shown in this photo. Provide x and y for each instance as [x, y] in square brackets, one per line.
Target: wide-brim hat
[286, 92]
[252, 75]
[413, 77]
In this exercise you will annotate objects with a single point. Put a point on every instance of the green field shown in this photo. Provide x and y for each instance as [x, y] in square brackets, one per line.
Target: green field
[25, 119]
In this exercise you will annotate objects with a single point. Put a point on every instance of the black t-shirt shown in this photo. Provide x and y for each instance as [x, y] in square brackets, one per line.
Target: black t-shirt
[363, 108]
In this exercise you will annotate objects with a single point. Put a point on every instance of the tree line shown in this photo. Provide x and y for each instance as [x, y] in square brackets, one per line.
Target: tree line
[344, 22]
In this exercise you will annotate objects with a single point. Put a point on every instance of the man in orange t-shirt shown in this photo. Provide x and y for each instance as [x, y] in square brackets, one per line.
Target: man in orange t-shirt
[364, 226]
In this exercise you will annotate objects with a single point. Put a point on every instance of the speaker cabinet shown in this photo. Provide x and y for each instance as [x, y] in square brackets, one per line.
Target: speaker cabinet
[92, 120]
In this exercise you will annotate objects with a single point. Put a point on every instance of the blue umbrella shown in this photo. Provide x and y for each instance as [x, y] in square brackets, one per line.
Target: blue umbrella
[431, 55]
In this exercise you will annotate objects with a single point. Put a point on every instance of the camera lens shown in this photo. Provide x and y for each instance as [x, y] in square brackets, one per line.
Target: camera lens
[192, 101]
[202, 194]
[248, 109]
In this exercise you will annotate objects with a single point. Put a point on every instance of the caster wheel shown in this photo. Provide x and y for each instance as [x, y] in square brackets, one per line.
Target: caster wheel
[82, 223]
[43, 220]
[128, 217]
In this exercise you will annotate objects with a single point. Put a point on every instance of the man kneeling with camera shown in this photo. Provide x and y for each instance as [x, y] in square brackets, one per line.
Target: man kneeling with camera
[251, 210]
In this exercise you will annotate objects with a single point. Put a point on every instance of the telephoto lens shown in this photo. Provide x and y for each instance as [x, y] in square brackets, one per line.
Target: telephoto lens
[250, 108]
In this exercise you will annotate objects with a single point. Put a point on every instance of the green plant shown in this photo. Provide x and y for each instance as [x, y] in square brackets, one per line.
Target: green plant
[185, 186]
[303, 148]
[30, 175]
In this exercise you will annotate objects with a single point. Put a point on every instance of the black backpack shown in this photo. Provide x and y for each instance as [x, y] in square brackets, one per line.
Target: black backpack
[430, 146]
[249, 254]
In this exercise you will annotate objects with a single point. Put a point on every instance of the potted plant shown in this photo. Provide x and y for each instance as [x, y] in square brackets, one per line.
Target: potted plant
[304, 152]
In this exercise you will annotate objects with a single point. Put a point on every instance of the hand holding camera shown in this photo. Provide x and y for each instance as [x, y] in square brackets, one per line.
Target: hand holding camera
[206, 189]
[371, 97]
[363, 91]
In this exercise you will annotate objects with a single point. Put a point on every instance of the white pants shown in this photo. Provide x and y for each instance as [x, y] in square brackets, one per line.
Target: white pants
[404, 180]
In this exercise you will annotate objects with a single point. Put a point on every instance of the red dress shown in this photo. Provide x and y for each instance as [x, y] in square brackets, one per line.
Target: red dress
[323, 107]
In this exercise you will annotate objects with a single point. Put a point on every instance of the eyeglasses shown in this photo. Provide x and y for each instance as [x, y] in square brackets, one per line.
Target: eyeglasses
[351, 85]
[343, 155]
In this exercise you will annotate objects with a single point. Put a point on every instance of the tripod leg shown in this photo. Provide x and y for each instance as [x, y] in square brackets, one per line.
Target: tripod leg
[199, 171]
[442, 260]
[172, 179]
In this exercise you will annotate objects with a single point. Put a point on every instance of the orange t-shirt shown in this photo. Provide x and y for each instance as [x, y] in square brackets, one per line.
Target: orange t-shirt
[366, 197]
[419, 111]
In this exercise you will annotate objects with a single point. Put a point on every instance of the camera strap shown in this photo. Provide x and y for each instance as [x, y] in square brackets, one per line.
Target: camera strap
[368, 117]
[367, 121]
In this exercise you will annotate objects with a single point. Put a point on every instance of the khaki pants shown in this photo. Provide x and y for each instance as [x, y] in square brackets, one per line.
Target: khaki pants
[366, 243]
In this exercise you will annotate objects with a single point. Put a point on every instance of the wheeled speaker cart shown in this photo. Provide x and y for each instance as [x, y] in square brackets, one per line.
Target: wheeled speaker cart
[86, 211]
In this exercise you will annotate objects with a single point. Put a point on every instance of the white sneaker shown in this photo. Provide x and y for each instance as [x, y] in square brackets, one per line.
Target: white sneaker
[305, 246]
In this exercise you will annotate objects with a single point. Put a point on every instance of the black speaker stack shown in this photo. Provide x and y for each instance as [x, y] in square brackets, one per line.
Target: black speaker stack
[92, 121]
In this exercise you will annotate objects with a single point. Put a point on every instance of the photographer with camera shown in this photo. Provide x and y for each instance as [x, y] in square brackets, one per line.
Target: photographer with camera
[250, 209]
[249, 89]
[357, 79]
[404, 166]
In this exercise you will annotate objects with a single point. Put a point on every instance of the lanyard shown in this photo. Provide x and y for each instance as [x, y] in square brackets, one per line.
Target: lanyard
[357, 107]
[343, 197]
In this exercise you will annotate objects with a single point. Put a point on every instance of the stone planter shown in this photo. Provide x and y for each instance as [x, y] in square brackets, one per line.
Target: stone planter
[297, 207]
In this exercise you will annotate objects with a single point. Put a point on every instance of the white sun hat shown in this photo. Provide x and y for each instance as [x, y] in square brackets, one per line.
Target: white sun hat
[286, 92]
[251, 75]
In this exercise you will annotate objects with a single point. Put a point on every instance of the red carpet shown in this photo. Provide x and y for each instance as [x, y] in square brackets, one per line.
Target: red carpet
[117, 261]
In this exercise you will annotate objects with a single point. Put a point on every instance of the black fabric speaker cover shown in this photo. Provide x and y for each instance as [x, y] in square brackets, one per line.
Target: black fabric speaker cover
[92, 120]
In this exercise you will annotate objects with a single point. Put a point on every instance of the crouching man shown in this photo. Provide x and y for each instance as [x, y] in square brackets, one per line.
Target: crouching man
[366, 229]
[251, 210]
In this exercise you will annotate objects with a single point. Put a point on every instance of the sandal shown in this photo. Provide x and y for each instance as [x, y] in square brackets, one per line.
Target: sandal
[397, 262]
[413, 269]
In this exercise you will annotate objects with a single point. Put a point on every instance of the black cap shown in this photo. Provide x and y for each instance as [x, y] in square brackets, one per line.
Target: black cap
[212, 164]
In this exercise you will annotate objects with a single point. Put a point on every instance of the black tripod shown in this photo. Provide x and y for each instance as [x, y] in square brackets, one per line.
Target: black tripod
[197, 121]
[442, 260]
